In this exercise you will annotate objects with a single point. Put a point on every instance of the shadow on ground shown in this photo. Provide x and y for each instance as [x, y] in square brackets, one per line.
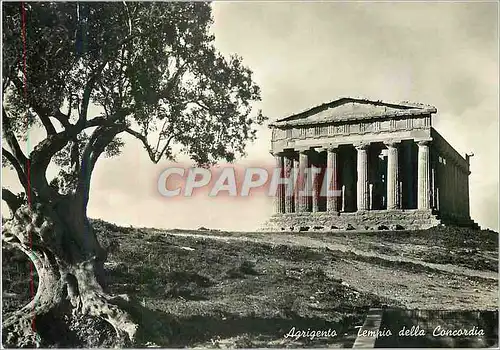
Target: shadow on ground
[248, 331]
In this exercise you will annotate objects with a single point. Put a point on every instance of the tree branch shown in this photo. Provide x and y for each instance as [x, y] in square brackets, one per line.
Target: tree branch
[45, 114]
[21, 174]
[129, 18]
[63, 119]
[87, 92]
[173, 82]
[12, 140]
[13, 201]
[161, 131]
[70, 104]
[109, 121]
[153, 155]
[201, 105]
[144, 141]
[42, 155]
[165, 146]
[100, 138]
[89, 87]
[42, 112]
[92, 151]
[102, 142]
[43, 152]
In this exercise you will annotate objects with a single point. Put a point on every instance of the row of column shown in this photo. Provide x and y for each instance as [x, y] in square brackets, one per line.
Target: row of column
[285, 202]
[393, 202]
[455, 186]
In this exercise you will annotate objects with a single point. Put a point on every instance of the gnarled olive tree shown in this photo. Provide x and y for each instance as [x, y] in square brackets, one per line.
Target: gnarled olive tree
[154, 73]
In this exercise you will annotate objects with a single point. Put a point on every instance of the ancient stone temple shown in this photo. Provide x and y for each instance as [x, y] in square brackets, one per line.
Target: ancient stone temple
[390, 168]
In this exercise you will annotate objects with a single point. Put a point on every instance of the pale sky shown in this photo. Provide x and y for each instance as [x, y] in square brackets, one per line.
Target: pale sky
[307, 53]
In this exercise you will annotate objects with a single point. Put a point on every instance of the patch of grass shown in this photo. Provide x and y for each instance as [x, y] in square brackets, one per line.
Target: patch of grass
[466, 257]
[244, 268]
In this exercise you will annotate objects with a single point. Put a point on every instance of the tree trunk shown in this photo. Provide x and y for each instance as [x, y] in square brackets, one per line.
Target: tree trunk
[60, 242]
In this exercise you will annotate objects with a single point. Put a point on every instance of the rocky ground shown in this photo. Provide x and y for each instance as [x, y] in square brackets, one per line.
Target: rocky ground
[215, 289]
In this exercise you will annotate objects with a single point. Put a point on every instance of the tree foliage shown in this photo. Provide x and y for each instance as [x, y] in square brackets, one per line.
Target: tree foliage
[152, 70]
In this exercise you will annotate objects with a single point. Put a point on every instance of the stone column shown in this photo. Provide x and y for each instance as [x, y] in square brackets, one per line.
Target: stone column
[458, 200]
[370, 196]
[423, 175]
[314, 183]
[362, 168]
[392, 175]
[348, 178]
[466, 192]
[461, 185]
[461, 193]
[343, 199]
[433, 186]
[279, 198]
[458, 190]
[400, 194]
[296, 188]
[288, 173]
[304, 190]
[440, 185]
[453, 190]
[467, 196]
[332, 202]
[409, 177]
[446, 180]
[446, 185]
[438, 201]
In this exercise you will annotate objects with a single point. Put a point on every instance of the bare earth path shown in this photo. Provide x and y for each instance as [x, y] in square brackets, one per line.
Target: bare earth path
[423, 285]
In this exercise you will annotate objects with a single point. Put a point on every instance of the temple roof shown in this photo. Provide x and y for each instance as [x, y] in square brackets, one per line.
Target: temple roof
[353, 108]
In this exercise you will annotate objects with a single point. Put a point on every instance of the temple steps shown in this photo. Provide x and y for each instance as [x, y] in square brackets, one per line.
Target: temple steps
[411, 219]
[456, 221]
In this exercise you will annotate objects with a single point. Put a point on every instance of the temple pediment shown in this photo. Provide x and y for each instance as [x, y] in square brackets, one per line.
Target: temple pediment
[350, 109]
